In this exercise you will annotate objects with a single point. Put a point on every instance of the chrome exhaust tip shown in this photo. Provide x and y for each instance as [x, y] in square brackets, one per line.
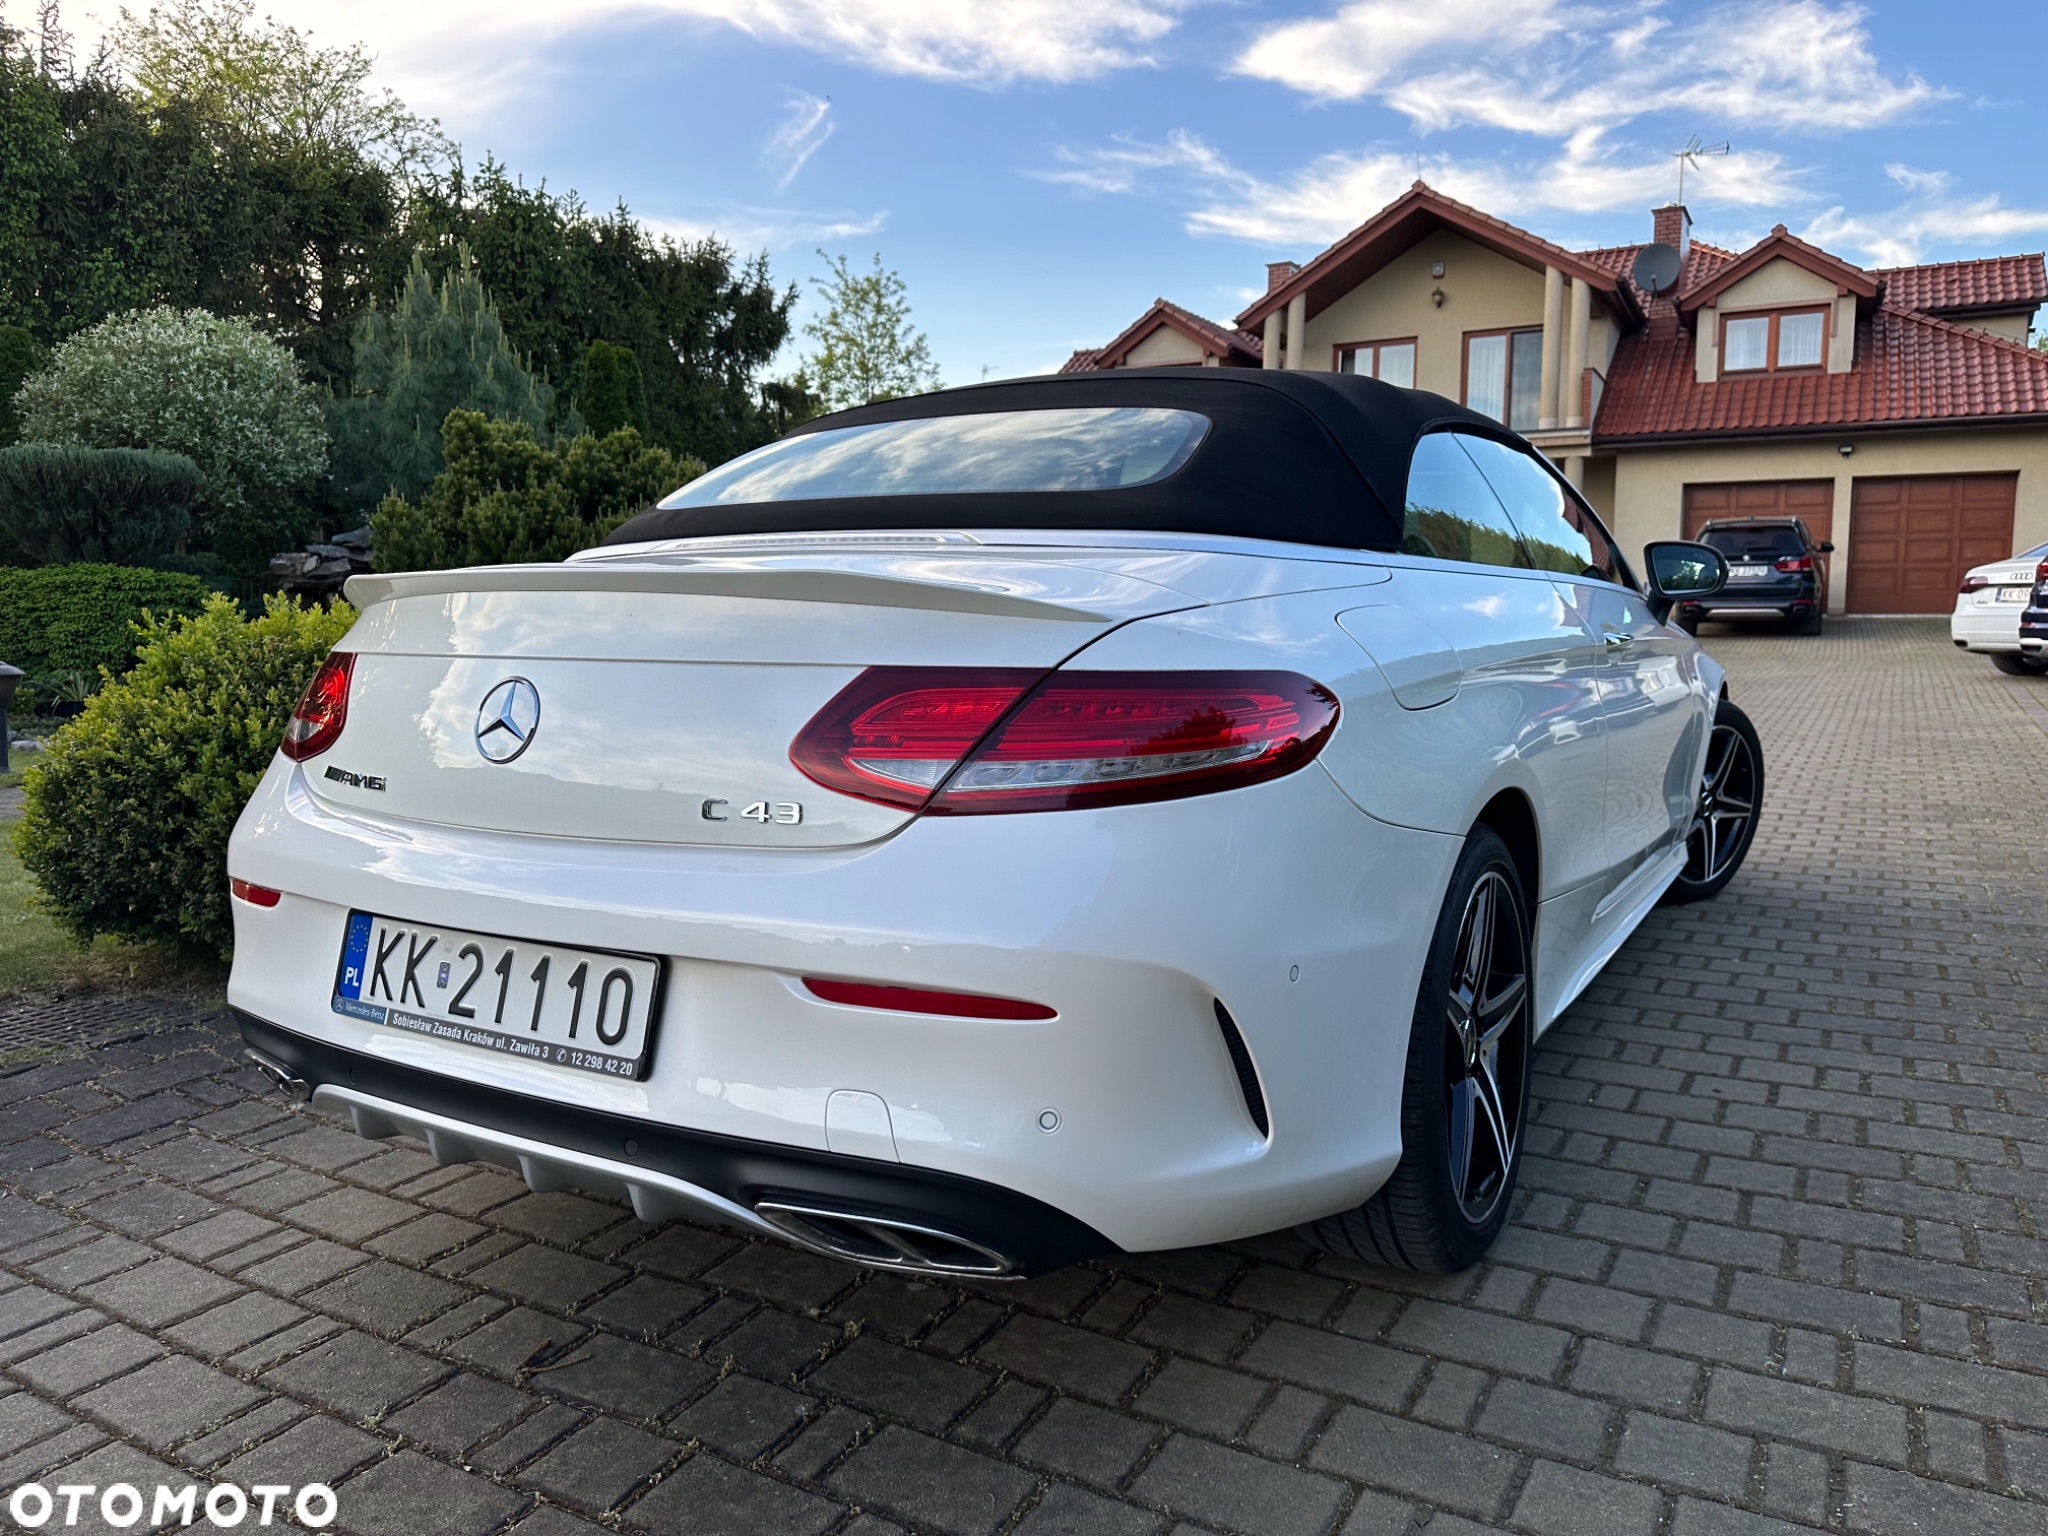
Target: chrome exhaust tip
[282, 1078]
[886, 1243]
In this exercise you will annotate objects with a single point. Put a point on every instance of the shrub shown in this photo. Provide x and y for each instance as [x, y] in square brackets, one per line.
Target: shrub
[439, 348]
[218, 391]
[505, 497]
[125, 819]
[61, 619]
[123, 506]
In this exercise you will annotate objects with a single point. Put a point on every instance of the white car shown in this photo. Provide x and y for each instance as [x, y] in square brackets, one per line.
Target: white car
[1120, 811]
[1988, 609]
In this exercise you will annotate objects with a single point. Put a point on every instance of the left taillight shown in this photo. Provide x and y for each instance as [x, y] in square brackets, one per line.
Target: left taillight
[322, 710]
[995, 740]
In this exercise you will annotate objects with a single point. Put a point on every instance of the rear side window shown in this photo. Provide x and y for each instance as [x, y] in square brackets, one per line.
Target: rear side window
[1562, 535]
[1769, 540]
[1452, 513]
[1082, 449]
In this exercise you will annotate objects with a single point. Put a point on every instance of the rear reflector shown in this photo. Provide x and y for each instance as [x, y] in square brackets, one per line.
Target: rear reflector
[988, 740]
[962, 1005]
[255, 895]
[322, 710]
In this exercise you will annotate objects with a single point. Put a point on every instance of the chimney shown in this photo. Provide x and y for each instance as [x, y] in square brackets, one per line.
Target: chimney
[1672, 226]
[1280, 273]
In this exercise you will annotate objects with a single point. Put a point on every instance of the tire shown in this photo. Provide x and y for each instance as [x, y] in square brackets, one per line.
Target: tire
[1810, 625]
[1689, 626]
[2012, 664]
[1467, 1084]
[1724, 819]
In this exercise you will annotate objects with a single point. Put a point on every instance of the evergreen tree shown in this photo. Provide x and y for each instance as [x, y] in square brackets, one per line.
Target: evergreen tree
[437, 348]
[20, 356]
[867, 347]
[702, 323]
[614, 394]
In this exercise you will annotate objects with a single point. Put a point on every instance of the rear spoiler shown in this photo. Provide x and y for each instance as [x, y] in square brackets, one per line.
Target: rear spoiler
[1020, 589]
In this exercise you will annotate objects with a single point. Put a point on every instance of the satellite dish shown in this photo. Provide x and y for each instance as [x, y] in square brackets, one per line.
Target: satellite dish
[1656, 268]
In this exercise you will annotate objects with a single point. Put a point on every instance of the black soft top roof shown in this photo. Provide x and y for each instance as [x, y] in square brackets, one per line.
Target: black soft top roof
[1307, 458]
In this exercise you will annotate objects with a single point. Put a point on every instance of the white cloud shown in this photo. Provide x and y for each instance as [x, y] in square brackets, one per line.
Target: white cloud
[800, 135]
[1333, 193]
[770, 229]
[1928, 223]
[1553, 67]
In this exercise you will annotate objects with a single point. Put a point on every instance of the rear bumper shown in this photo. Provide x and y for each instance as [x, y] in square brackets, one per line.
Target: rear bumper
[668, 1173]
[1307, 918]
[1784, 599]
[1985, 627]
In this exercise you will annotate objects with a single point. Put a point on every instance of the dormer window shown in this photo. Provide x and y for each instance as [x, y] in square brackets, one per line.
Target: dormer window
[1780, 339]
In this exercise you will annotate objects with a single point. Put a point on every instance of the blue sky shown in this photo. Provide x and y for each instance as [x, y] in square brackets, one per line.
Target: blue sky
[1039, 170]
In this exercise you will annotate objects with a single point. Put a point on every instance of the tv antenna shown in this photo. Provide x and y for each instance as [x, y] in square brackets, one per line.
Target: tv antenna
[1691, 155]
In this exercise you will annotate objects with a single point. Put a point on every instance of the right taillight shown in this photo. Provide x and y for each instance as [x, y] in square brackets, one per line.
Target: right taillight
[322, 710]
[987, 740]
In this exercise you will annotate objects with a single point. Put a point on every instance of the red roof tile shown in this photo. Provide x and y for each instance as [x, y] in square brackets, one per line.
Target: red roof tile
[1909, 369]
[1988, 282]
[1083, 361]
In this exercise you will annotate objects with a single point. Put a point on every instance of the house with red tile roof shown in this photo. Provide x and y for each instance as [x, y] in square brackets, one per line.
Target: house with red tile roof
[1900, 411]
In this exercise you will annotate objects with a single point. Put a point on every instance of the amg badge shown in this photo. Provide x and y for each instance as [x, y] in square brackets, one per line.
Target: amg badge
[355, 780]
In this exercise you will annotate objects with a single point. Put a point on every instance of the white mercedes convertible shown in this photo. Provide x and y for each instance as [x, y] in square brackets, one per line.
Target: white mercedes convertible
[1002, 826]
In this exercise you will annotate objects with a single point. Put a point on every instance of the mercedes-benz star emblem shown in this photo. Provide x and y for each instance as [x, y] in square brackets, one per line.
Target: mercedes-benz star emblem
[506, 722]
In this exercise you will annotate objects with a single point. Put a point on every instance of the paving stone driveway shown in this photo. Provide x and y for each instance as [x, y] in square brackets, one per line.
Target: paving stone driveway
[1778, 1263]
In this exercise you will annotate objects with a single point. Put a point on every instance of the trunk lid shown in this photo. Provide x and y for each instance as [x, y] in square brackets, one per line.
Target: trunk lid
[665, 692]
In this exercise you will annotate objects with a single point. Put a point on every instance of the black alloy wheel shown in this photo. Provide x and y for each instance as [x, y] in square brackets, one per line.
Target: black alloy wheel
[1731, 796]
[1486, 1058]
[1465, 1095]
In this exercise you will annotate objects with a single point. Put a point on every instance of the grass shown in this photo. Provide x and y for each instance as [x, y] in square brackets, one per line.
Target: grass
[38, 956]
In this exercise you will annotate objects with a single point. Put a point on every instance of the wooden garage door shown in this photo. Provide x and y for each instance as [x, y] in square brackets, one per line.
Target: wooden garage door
[1912, 537]
[1812, 501]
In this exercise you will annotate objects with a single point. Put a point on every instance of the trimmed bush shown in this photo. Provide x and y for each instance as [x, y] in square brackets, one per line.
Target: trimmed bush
[125, 819]
[79, 618]
[505, 497]
[614, 394]
[120, 506]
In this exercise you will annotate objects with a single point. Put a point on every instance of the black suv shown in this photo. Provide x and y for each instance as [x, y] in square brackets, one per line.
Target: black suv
[1775, 567]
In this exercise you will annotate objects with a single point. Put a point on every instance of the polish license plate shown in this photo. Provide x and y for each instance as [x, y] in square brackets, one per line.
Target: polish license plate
[1747, 570]
[2014, 594]
[580, 1008]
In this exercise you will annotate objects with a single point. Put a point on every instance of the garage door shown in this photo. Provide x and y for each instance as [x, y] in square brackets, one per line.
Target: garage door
[1912, 537]
[1812, 501]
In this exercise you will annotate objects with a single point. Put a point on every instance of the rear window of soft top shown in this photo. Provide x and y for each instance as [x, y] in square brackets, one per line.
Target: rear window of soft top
[1080, 449]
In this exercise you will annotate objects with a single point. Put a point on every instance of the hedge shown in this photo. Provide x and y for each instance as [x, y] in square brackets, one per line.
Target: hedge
[123, 506]
[59, 619]
[126, 816]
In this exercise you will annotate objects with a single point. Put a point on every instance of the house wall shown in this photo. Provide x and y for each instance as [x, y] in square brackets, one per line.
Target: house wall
[1649, 483]
[1777, 282]
[2011, 327]
[1164, 346]
[1483, 291]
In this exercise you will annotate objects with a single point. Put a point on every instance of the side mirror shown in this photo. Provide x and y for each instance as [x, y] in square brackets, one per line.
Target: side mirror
[1682, 570]
[1827, 546]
